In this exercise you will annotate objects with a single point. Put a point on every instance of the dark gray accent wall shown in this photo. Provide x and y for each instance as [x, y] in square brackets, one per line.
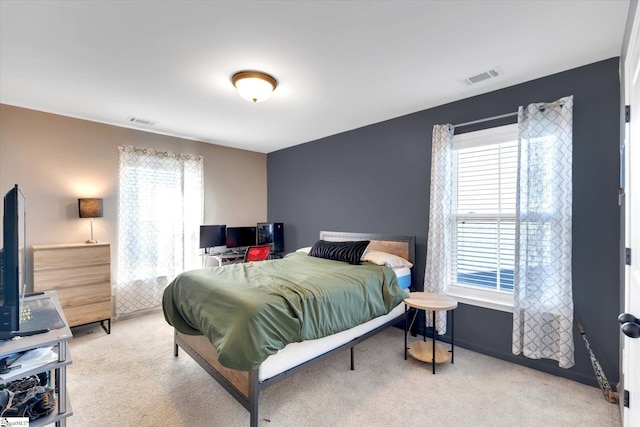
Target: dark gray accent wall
[376, 179]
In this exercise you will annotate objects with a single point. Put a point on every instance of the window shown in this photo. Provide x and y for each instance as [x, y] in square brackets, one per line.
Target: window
[483, 217]
[159, 215]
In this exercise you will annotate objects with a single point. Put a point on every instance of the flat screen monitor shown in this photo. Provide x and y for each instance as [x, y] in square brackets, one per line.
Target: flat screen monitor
[212, 236]
[14, 271]
[241, 237]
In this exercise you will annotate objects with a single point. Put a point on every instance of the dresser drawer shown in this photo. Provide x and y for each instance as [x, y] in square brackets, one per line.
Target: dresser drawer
[69, 277]
[61, 256]
[88, 313]
[81, 295]
[80, 274]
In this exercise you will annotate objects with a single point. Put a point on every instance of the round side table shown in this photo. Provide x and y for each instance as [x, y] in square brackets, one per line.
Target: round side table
[421, 350]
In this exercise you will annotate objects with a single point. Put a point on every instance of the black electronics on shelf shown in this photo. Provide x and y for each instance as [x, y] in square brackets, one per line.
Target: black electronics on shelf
[14, 263]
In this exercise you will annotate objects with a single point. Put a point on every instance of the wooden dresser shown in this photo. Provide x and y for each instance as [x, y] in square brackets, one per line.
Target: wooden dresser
[81, 275]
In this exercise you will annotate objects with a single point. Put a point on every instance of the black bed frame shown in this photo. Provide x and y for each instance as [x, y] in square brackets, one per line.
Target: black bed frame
[250, 402]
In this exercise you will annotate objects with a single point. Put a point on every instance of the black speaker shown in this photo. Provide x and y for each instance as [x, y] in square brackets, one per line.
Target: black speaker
[278, 237]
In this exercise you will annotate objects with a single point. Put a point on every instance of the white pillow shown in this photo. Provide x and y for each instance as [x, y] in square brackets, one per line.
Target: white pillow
[384, 258]
[305, 250]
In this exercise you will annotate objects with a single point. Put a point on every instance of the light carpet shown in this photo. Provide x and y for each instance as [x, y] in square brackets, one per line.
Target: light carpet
[131, 378]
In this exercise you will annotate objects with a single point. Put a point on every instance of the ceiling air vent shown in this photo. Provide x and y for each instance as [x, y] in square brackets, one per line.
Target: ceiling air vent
[141, 121]
[485, 75]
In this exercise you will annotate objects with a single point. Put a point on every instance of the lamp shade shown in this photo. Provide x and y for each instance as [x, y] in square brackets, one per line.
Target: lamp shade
[90, 208]
[254, 86]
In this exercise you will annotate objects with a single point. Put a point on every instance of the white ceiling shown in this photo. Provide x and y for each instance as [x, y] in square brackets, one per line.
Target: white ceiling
[340, 65]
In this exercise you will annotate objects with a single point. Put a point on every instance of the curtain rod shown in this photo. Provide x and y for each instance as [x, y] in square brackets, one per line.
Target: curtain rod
[541, 107]
[486, 119]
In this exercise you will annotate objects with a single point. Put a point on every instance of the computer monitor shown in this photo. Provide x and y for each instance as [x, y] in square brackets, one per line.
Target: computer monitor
[241, 237]
[212, 236]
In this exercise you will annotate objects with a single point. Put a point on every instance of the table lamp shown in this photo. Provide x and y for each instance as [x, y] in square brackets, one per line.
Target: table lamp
[90, 208]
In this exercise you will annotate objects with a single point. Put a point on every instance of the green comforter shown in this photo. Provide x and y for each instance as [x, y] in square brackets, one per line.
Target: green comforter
[250, 311]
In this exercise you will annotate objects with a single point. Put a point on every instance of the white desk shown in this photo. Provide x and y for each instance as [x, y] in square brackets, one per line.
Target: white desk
[222, 259]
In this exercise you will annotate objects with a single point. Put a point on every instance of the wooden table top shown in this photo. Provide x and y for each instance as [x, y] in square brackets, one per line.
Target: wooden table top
[429, 301]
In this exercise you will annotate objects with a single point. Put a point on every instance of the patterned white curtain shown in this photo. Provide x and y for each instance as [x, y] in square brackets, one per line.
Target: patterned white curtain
[440, 199]
[159, 215]
[543, 302]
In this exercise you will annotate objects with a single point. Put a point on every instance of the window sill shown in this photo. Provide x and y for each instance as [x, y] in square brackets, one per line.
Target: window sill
[495, 300]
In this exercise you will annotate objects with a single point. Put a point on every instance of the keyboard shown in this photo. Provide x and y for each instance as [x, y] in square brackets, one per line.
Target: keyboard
[234, 252]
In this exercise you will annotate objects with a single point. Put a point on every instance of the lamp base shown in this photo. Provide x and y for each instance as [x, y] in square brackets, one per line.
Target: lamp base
[92, 240]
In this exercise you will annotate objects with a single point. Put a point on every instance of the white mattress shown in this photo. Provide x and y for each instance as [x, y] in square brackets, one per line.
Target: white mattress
[297, 353]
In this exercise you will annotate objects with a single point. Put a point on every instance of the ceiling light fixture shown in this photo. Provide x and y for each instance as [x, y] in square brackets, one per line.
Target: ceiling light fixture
[254, 86]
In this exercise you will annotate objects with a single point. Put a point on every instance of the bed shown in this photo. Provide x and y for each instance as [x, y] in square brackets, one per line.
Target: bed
[245, 368]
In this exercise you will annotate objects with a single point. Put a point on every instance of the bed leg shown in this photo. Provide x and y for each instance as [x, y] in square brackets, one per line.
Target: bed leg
[254, 391]
[353, 367]
[175, 350]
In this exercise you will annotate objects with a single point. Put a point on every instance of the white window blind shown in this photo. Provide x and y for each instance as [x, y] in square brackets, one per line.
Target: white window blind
[483, 220]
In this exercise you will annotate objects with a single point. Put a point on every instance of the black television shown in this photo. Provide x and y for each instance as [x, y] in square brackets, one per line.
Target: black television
[14, 257]
[212, 236]
[241, 237]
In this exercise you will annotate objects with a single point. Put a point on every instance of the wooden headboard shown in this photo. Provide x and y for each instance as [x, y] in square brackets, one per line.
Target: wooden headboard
[402, 246]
